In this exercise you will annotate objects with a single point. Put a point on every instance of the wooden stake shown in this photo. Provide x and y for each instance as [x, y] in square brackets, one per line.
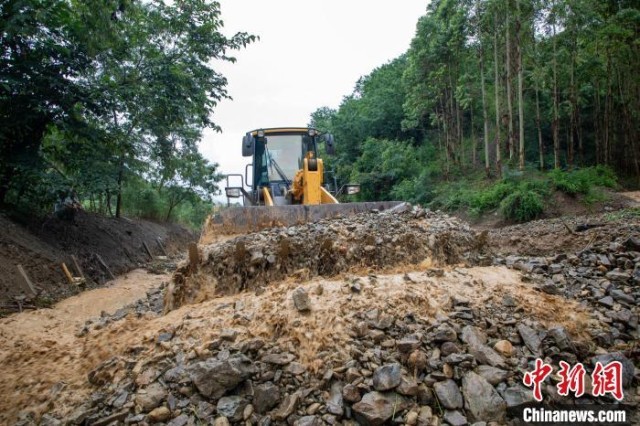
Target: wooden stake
[146, 247]
[162, 250]
[67, 273]
[104, 265]
[194, 257]
[77, 265]
[26, 279]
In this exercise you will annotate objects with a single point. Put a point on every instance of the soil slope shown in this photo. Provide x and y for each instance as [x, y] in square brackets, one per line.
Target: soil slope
[40, 248]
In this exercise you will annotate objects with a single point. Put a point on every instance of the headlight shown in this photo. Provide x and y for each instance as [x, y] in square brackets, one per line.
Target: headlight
[233, 192]
[261, 133]
[313, 132]
[352, 189]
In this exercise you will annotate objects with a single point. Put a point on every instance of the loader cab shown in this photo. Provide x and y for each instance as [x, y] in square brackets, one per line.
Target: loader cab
[277, 155]
[277, 158]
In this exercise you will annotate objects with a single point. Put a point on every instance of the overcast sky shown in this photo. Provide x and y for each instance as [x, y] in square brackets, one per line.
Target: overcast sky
[310, 54]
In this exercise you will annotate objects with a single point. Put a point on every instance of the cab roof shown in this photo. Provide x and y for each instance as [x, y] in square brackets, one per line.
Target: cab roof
[284, 130]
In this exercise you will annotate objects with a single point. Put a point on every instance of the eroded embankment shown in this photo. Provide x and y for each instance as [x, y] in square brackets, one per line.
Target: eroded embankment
[326, 248]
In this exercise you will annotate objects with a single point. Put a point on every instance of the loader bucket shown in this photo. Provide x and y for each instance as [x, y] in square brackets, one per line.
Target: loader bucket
[243, 220]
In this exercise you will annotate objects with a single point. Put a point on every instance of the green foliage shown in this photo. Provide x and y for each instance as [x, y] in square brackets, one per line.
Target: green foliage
[582, 181]
[458, 87]
[141, 199]
[98, 94]
[517, 199]
[522, 205]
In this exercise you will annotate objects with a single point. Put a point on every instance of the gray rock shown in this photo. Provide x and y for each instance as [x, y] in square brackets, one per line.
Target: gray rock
[448, 394]
[376, 408]
[296, 368]
[455, 418]
[515, 396]
[555, 268]
[278, 359]
[621, 296]
[445, 333]
[308, 421]
[229, 334]
[482, 401]
[561, 338]
[491, 374]
[164, 337]
[181, 420]
[387, 377]
[213, 377]
[301, 299]
[265, 397]
[408, 345]
[632, 244]
[232, 407]
[618, 276]
[457, 358]
[627, 366]
[334, 402]
[508, 301]
[606, 301]
[150, 397]
[473, 336]
[449, 348]
[530, 338]
[205, 409]
[177, 374]
[486, 355]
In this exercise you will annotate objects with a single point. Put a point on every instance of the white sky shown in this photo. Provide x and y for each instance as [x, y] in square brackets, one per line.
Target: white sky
[310, 54]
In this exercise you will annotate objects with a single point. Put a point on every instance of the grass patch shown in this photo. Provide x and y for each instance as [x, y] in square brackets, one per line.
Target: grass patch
[516, 198]
[631, 213]
[522, 198]
[583, 181]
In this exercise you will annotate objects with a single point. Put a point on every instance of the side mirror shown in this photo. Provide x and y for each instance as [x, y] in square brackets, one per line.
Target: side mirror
[330, 144]
[248, 145]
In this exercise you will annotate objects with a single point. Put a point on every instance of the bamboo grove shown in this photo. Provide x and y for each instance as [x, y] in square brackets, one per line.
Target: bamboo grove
[500, 85]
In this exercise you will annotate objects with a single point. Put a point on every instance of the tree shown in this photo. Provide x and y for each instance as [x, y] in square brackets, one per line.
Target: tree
[126, 83]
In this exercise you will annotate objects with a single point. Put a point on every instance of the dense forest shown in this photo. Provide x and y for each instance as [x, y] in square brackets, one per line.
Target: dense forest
[108, 98]
[494, 100]
[492, 93]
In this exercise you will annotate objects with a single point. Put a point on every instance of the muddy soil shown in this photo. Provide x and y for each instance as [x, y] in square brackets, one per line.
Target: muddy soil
[41, 247]
[564, 234]
[43, 351]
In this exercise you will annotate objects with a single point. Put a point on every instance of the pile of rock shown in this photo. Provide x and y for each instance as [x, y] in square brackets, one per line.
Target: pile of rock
[465, 367]
[325, 248]
[606, 277]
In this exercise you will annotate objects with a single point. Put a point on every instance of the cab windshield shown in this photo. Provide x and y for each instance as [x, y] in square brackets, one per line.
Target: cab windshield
[282, 152]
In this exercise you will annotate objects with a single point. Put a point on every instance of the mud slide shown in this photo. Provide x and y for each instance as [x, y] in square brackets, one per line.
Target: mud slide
[41, 351]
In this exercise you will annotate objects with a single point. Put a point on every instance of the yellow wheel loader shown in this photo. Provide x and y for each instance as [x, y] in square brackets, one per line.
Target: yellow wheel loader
[285, 184]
